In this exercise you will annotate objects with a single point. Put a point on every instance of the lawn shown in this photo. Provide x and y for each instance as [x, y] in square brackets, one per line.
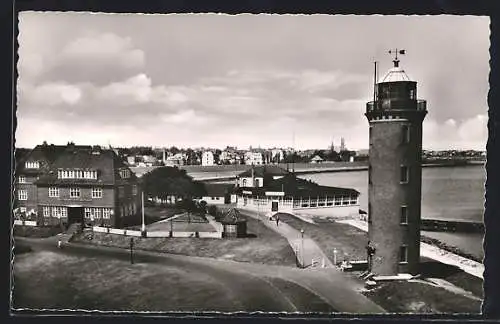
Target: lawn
[108, 284]
[417, 297]
[347, 240]
[262, 246]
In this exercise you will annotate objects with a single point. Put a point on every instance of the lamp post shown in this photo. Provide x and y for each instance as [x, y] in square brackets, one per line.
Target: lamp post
[131, 250]
[302, 245]
[143, 227]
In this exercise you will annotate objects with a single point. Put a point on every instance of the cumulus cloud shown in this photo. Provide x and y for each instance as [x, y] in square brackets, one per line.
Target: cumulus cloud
[242, 79]
[51, 94]
[106, 47]
[470, 133]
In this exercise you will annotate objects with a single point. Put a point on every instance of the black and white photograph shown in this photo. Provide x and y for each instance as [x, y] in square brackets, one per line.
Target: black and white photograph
[292, 164]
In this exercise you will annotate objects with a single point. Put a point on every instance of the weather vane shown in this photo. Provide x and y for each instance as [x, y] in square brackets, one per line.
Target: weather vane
[396, 52]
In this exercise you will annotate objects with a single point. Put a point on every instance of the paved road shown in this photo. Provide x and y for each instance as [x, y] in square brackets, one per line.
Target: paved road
[250, 284]
[305, 248]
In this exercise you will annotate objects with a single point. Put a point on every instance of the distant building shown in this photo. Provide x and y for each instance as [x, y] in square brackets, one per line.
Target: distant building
[317, 159]
[253, 158]
[131, 160]
[178, 159]
[277, 156]
[219, 193]
[207, 158]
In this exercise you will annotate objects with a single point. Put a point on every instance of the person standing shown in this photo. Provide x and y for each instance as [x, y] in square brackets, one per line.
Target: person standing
[277, 220]
[370, 251]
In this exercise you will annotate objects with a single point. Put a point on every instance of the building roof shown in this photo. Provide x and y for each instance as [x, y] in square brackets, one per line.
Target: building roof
[317, 158]
[218, 189]
[263, 170]
[395, 74]
[232, 216]
[44, 154]
[106, 162]
[297, 187]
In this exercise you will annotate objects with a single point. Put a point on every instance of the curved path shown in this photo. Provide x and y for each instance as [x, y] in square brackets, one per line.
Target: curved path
[304, 247]
[250, 287]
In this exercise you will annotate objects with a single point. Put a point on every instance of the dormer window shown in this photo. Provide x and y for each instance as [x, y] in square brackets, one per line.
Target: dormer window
[125, 174]
[32, 165]
[76, 174]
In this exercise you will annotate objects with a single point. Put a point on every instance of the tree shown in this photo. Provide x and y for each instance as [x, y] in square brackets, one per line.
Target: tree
[171, 181]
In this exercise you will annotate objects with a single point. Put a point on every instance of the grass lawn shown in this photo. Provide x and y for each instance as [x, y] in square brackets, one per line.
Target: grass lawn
[417, 297]
[263, 246]
[330, 235]
[181, 227]
[54, 281]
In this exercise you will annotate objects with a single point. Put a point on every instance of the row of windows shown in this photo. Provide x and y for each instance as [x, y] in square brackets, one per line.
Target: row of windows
[32, 165]
[97, 213]
[129, 210]
[74, 192]
[125, 173]
[57, 212]
[76, 174]
[22, 194]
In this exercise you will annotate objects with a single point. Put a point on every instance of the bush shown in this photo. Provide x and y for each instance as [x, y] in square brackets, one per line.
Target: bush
[212, 210]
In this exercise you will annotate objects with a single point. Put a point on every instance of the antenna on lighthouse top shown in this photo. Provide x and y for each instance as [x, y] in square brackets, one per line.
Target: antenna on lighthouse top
[396, 52]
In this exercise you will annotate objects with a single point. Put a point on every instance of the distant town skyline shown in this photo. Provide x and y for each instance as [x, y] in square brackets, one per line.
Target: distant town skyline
[210, 80]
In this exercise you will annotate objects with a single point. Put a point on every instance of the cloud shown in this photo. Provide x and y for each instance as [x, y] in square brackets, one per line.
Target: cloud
[97, 58]
[106, 47]
[50, 94]
[470, 133]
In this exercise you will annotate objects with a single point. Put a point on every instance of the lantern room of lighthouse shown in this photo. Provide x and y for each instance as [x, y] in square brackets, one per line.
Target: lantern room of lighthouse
[395, 117]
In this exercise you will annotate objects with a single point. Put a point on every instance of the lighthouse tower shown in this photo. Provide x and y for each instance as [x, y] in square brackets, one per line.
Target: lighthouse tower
[395, 174]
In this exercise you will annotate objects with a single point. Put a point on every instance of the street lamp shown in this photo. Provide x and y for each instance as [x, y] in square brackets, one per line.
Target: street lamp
[302, 245]
[143, 227]
[131, 250]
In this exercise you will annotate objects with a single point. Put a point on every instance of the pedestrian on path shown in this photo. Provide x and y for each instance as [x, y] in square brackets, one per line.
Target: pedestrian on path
[59, 243]
[277, 220]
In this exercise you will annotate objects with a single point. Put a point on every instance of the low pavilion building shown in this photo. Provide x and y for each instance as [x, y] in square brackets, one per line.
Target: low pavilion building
[287, 193]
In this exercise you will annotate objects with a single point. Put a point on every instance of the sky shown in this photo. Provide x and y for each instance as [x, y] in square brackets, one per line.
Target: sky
[214, 80]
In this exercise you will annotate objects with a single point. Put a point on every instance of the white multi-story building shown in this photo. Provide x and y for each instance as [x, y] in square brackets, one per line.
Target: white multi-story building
[207, 158]
[253, 158]
[277, 155]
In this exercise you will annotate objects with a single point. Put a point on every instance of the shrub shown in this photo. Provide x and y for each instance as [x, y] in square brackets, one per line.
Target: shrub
[212, 210]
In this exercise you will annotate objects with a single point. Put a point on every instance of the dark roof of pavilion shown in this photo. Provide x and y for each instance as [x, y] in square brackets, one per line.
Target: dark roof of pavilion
[298, 187]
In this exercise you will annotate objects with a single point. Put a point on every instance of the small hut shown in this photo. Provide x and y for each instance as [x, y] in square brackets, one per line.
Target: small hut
[234, 225]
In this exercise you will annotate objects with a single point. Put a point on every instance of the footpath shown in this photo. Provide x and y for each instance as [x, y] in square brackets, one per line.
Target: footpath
[306, 249]
[433, 252]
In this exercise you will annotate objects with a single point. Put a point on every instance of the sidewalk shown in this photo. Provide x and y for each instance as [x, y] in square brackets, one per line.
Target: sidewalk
[433, 252]
[305, 248]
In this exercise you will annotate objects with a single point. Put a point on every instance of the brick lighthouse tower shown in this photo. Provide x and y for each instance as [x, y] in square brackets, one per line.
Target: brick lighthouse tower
[395, 174]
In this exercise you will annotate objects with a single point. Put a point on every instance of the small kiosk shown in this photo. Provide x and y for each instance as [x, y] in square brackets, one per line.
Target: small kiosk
[233, 224]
